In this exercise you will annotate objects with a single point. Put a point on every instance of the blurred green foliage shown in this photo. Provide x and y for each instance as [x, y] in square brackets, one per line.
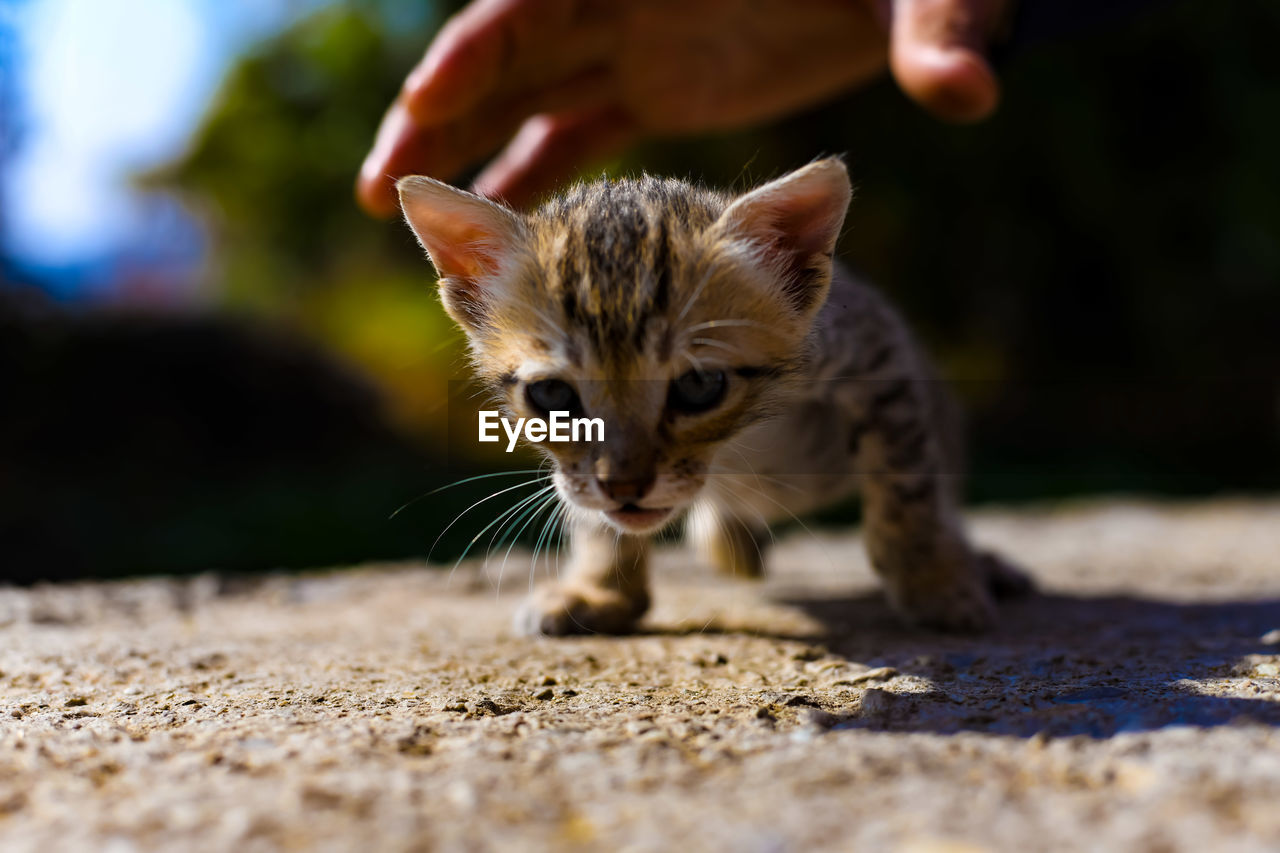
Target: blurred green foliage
[1097, 267]
[272, 171]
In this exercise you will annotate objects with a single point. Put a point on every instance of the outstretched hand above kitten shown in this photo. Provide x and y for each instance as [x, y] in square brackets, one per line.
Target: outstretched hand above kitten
[558, 84]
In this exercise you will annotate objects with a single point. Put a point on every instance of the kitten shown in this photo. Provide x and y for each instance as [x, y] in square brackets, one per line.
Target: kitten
[739, 375]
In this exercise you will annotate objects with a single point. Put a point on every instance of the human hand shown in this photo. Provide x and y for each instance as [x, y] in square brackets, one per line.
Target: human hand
[563, 83]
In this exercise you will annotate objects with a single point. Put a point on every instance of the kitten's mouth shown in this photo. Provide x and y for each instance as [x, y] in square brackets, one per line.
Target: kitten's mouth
[638, 519]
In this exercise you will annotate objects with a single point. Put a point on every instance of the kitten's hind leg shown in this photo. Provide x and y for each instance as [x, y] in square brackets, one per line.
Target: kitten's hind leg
[604, 591]
[731, 545]
[932, 575]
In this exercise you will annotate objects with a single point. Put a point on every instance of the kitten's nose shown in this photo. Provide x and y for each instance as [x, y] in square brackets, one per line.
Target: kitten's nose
[625, 491]
[624, 480]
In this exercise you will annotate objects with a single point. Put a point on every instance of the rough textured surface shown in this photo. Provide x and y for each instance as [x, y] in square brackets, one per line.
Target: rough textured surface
[1135, 705]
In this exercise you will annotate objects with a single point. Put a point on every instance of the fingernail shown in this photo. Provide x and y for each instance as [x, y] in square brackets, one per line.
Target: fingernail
[421, 73]
[371, 169]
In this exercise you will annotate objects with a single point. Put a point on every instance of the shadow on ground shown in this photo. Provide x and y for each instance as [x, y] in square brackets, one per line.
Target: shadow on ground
[1061, 665]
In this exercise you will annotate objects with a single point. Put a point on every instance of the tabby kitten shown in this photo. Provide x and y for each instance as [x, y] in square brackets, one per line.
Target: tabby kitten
[738, 374]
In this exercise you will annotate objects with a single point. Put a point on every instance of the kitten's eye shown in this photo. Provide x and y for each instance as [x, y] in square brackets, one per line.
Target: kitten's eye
[696, 391]
[552, 395]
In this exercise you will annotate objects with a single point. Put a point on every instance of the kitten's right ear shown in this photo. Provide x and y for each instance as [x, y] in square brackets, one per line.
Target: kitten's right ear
[468, 238]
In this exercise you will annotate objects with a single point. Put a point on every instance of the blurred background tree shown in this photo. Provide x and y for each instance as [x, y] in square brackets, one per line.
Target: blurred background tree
[1097, 269]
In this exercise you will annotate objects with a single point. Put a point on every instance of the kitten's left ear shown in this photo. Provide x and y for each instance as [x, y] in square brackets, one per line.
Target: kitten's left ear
[795, 222]
[468, 238]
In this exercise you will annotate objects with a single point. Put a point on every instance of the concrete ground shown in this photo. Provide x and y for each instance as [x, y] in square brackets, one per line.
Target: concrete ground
[1135, 705]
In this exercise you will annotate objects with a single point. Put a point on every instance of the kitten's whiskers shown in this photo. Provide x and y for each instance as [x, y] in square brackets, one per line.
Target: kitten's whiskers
[461, 482]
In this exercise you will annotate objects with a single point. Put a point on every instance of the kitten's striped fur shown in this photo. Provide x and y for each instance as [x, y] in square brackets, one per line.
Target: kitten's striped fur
[627, 290]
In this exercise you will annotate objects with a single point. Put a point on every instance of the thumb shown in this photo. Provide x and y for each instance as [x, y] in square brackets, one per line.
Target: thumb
[938, 55]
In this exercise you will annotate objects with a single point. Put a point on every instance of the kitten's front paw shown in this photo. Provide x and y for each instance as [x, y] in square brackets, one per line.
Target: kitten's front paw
[559, 610]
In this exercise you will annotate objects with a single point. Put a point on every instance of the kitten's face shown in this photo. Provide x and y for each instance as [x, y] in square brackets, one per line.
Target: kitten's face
[674, 315]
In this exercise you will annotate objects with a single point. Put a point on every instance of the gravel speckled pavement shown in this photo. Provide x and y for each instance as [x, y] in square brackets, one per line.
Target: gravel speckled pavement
[1134, 705]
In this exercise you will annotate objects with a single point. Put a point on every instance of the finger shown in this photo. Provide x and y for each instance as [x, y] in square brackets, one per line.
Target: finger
[938, 55]
[375, 185]
[402, 147]
[495, 46]
[550, 149]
